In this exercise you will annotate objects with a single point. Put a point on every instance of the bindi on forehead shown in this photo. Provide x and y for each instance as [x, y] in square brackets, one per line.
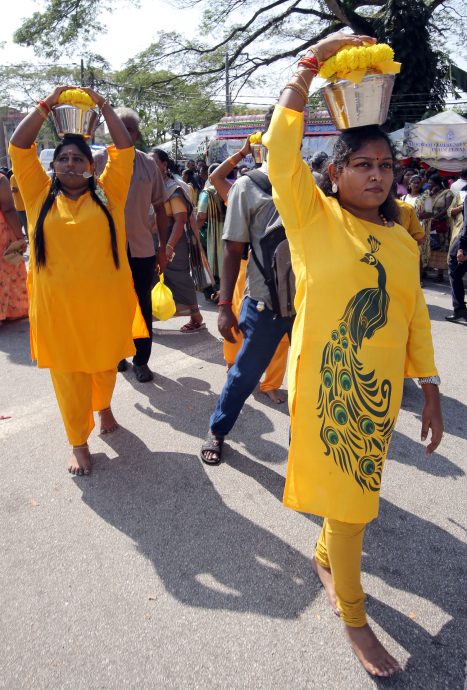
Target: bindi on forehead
[377, 157]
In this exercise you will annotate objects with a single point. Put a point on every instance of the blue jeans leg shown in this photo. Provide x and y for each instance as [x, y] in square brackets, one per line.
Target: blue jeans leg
[261, 336]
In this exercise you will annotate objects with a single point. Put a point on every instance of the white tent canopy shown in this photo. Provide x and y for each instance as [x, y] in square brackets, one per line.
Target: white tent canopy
[439, 141]
[192, 145]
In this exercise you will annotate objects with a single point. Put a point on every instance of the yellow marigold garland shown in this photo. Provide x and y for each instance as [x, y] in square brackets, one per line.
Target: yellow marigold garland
[256, 138]
[76, 97]
[354, 63]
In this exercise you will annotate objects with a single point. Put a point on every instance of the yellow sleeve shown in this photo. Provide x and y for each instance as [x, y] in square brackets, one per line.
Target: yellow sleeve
[117, 174]
[419, 359]
[293, 186]
[31, 178]
[177, 205]
[409, 221]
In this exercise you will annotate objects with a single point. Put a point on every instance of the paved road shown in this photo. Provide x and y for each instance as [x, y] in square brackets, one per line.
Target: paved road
[158, 572]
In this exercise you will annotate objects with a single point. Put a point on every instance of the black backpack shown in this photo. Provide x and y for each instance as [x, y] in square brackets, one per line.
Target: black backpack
[276, 265]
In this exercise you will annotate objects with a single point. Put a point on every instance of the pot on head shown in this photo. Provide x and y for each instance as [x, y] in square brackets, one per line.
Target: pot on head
[68, 119]
[259, 152]
[358, 105]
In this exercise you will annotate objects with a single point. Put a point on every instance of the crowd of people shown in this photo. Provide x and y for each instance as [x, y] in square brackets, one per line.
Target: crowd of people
[102, 229]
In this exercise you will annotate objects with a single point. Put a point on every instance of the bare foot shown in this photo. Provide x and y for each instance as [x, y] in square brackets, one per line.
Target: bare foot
[80, 461]
[326, 580]
[276, 396]
[108, 421]
[374, 658]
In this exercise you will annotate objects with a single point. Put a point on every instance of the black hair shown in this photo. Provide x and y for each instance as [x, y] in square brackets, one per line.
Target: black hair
[436, 179]
[351, 141]
[55, 188]
[463, 173]
[165, 158]
[268, 118]
[409, 186]
[213, 167]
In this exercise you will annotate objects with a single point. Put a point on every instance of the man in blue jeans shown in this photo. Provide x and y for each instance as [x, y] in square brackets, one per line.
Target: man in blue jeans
[249, 211]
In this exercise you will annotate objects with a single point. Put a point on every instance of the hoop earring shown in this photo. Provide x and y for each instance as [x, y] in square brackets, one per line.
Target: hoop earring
[334, 188]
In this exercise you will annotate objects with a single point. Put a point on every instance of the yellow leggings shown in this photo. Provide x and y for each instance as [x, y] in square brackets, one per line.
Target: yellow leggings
[339, 549]
[78, 395]
[274, 374]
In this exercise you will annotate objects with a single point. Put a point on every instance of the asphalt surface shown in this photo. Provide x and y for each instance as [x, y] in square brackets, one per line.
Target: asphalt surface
[160, 572]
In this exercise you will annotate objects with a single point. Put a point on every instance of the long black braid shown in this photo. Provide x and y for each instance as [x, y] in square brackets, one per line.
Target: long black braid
[55, 188]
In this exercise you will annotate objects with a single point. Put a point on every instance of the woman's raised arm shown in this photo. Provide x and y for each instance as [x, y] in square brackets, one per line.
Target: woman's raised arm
[219, 177]
[117, 129]
[295, 93]
[26, 132]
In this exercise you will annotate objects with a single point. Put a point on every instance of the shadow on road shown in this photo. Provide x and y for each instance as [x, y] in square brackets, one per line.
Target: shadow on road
[164, 396]
[206, 554]
[413, 555]
[14, 341]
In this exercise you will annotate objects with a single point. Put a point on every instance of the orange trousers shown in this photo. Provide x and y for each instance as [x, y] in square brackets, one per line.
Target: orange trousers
[79, 395]
[274, 374]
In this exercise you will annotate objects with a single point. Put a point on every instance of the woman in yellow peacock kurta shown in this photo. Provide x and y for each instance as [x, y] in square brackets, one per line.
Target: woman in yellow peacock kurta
[82, 300]
[362, 326]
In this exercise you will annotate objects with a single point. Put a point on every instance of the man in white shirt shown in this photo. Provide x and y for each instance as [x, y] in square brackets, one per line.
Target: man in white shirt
[459, 184]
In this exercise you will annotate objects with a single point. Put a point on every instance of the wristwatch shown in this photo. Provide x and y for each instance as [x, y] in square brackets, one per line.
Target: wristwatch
[430, 379]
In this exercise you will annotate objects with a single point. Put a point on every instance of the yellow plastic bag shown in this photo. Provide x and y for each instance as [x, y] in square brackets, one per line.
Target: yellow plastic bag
[163, 305]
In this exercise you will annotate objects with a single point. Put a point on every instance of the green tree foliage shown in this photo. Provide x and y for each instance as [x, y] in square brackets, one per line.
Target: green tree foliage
[21, 86]
[248, 36]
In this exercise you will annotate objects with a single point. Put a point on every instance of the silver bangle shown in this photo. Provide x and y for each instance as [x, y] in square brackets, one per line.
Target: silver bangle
[430, 379]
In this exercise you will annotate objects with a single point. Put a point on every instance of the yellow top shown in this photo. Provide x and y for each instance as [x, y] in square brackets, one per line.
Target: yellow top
[174, 205]
[361, 326]
[409, 220]
[81, 307]
[17, 198]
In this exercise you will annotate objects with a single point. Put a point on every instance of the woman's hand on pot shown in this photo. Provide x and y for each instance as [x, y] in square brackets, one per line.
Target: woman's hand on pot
[96, 97]
[52, 98]
[330, 45]
[246, 148]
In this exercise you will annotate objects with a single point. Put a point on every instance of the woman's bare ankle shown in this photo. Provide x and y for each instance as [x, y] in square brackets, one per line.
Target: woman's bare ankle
[374, 658]
[80, 461]
[108, 421]
[325, 576]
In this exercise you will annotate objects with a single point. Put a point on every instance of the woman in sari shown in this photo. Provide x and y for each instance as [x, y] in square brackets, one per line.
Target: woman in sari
[423, 205]
[439, 227]
[13, 293]
[211, 210]
[177, 274]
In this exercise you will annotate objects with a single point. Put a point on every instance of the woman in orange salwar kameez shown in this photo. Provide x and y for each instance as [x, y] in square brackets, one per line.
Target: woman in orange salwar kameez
[13, 293]
[82, 300]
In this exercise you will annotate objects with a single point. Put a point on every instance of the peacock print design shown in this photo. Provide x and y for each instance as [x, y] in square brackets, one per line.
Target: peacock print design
[353, 406]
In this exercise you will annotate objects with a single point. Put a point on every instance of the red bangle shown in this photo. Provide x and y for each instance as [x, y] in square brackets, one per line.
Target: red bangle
[44, 105]
[224, 303]
[310, 63]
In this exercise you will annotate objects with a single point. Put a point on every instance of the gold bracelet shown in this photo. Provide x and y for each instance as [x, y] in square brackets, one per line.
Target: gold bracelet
[42, 112]
[300, 76]
[292, 87]
[304, 92]
[298, 89]
[315, 54]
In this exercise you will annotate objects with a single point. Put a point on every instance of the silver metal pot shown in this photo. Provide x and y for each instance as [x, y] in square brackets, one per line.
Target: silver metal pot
[358, 105]
[259, 153]
[68, 119]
